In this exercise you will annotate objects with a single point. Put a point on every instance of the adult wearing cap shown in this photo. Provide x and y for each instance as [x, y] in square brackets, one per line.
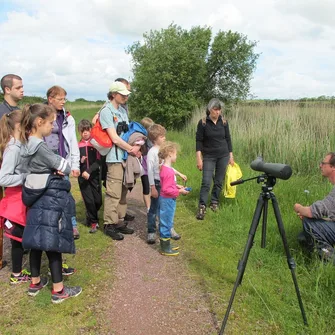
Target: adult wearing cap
[113, 117]
[214, 152]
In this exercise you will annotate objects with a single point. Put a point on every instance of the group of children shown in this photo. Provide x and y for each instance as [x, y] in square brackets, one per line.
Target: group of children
[37, 210]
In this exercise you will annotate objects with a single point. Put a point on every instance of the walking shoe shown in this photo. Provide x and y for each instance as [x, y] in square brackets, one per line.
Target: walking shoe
[67, 292]
[214, 206]
[129, 217]
[23, 277]
[174, 235]
[75, 233]
[94, 228]
[151, 238]
[201, 212]
[123, 229]
[35, 289]
[110, 230]
[67, 271]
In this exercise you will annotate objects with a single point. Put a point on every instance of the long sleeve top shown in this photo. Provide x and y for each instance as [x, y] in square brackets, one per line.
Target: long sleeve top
[168, 182]
[153, 165]
[213, 140]
[13, 170]
[324, 208]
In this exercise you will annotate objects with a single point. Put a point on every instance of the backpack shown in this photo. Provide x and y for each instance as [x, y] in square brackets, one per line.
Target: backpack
[133, 127]
[100, 139]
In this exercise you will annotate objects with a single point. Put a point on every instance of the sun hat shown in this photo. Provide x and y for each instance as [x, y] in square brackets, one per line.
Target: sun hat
[118, 87]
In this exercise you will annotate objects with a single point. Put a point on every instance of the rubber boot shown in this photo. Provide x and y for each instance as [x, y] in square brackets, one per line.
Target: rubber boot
[166, 247]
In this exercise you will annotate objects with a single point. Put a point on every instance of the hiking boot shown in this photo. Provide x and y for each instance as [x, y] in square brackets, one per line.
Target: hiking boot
[35, 289]
[129, 217]
[151, 238]
[201, 212]
[174, 235]
[214, 206]
[94, 228]
[123, 229]
[166, 249]
[23, 277]
[67, 292]
[75, 233]
[110, 230]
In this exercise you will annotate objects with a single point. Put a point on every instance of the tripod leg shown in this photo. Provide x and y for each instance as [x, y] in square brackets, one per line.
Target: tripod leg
[290, 260]
[243, 261]
[265, 218]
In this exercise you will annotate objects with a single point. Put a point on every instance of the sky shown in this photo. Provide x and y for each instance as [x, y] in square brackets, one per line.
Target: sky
[80, 45]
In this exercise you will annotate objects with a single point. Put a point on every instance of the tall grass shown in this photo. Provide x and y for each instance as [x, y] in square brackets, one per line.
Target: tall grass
[282, 133]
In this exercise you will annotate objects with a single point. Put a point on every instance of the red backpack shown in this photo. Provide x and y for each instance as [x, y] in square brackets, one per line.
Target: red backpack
[100, 139]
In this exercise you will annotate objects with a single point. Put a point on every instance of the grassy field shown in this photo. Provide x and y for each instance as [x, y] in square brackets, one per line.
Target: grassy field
[266, 302]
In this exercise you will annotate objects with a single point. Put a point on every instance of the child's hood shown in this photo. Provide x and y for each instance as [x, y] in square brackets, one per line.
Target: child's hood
[30, 147]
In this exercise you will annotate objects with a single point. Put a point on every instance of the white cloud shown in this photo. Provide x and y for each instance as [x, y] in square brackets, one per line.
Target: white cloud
[81, 44]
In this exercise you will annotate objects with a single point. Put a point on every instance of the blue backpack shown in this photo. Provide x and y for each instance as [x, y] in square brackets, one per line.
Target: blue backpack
[133, 127]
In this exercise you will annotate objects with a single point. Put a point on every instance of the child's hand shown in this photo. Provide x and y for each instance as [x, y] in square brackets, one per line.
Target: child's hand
[85, 175]
[60, 173]
[179, 186]
[183, 177]
[75, 173]
[183, 191]
[154, 192]
[83, 159]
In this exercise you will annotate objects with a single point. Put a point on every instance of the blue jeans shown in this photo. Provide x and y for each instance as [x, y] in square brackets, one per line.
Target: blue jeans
[167, 208]
[319, 234]
[213, 169]
[154, 209]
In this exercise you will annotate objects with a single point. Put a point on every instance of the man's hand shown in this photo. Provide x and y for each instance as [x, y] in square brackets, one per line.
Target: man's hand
[75, 173]
[303, 211]
[85, 175]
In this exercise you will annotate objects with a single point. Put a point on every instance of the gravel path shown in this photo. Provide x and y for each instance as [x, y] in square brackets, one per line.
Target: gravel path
[153, 294]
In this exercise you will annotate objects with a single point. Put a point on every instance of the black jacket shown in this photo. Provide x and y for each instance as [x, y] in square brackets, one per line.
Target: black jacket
[213, 140]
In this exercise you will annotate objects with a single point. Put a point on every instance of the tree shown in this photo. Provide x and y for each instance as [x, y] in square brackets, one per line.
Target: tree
[175, 70]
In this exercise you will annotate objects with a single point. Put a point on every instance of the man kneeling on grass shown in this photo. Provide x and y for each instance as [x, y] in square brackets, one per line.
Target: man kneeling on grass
[319, 219]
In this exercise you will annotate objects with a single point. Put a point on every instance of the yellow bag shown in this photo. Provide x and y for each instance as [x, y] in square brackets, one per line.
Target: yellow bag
[233, 173]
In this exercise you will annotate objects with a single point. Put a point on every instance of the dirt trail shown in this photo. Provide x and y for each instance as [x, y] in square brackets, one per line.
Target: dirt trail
[153, 294]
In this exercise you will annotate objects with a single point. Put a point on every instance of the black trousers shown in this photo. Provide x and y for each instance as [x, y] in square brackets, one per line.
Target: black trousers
[91, 193]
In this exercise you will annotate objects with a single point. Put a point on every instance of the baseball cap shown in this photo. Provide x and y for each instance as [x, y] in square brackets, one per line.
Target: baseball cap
[119, 87]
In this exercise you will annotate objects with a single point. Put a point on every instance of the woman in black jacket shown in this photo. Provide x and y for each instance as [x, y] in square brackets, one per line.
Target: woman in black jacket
[214, 152]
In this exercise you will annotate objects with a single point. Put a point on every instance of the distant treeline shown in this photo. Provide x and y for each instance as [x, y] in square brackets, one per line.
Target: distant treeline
[33, 100]
[302, 102]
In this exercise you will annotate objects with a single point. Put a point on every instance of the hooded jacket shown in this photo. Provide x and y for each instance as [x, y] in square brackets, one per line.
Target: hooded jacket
[47, 196]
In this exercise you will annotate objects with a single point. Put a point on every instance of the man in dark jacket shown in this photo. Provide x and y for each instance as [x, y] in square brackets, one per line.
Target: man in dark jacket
[318, 219]
[12, 88]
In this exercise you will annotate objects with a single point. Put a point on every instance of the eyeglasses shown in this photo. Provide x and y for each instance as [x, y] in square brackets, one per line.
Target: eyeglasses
[324, 163]
[61, 99]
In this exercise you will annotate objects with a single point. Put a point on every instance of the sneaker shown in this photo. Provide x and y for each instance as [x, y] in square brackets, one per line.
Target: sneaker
[123, 229]
[94, 228]
[23, 277]
[201, 212]
[151, 238]
[214, 206]
[111, 231]
[35, 289]
[76, 233]
[67, 271]
[129, 217]
[174, 235]
[67, 292]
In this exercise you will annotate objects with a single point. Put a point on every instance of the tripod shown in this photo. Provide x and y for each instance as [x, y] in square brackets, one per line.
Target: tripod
[262, 207]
